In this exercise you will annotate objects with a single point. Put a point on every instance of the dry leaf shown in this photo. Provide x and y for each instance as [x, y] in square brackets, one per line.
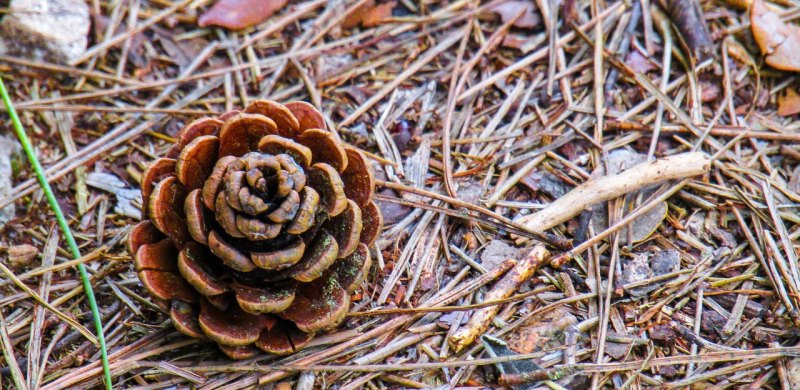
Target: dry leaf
[688, 18]
[510, 9]
[240, 14]
[778, 41]
[369, 14]
[378, 14]
[789, 104]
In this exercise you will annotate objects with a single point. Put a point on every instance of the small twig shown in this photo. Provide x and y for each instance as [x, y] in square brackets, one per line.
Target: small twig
[481, 319]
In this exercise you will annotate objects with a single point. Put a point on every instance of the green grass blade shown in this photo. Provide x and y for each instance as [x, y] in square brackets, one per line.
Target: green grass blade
[62, 223]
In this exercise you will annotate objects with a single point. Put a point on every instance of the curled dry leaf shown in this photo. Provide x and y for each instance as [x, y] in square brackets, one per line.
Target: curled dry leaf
[240, 14]
[778, 41]
[509, 10]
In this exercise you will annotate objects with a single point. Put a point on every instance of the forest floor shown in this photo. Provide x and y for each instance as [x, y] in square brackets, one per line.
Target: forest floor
[478, 115]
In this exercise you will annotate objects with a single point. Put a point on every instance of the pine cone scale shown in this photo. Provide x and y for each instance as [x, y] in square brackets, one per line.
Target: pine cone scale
[196, 267]
[196, 161]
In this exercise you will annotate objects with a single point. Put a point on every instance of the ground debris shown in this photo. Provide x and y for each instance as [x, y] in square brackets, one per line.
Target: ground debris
[474, 124]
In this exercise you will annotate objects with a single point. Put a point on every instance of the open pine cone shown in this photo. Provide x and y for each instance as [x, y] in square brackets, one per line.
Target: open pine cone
[256, 228]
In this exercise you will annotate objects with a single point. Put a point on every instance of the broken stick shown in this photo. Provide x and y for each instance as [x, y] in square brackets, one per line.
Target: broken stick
[506, 286]
[604, 188]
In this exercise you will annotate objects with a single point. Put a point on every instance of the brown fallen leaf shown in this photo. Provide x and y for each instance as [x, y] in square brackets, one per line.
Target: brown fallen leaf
[789, 103]
[240, 14]
[369, 14]
[779, 42]
[508, 10]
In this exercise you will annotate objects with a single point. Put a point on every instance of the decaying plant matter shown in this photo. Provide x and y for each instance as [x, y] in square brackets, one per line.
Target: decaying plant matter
[257, 228]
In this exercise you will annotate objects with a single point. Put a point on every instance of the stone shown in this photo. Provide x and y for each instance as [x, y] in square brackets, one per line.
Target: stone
[45, 30]
[8, 148]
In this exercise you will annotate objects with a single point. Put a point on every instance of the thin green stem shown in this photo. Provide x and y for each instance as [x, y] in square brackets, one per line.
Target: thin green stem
[62, 223]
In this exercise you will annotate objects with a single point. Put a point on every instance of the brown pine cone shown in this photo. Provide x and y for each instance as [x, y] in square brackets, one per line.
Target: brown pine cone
[256, 228]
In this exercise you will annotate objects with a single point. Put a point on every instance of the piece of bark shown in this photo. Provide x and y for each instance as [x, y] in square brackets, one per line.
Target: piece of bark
[604, 188]
[506, 286]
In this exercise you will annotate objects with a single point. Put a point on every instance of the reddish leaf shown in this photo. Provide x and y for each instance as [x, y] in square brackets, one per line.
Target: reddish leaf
[240, 14]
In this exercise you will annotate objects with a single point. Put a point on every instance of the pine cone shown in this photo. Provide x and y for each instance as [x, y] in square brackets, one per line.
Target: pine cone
[259, 224]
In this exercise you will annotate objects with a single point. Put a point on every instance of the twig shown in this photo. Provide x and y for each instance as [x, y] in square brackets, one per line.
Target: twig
[604, 188]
